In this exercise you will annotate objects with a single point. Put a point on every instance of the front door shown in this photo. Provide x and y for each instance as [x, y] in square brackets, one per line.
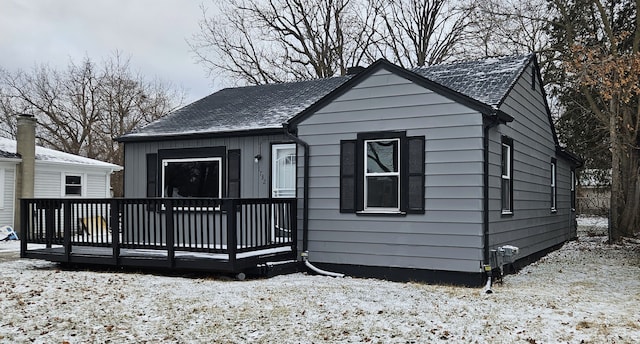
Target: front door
[283, 185]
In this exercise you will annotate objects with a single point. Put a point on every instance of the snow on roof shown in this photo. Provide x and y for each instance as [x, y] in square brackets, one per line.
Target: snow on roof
[269, 106]
[487, 80]
[55, 156]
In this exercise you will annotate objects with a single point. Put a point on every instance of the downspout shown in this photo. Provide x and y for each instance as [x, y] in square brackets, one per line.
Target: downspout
[305, 187]
[492, 120]
[305, 205]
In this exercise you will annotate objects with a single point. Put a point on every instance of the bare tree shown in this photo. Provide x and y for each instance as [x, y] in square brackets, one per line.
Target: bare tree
[281, 40]
[81, 110]
[423, 32]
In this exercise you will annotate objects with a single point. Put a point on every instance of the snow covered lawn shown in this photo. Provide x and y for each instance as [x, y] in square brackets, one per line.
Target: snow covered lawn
[585, 292]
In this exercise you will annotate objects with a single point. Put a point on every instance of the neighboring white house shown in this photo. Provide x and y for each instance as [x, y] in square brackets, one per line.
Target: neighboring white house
[57, 175]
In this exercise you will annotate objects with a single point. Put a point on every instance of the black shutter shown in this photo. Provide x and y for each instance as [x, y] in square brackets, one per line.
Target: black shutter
[233, 173]
[152, 175]
[414, 192]
[348, 168]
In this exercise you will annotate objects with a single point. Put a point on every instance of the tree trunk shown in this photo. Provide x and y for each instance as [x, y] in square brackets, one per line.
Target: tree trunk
[616, 182]
[630, 216]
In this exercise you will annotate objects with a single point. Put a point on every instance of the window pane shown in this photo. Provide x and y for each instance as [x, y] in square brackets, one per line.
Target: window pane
[505, 160]
[192, 179]
[506, 194]
[73, 190]
[73, 180]
[382, 156]
[382, 192]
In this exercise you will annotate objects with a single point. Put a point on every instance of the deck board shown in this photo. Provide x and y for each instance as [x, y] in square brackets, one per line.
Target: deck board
[183, 260]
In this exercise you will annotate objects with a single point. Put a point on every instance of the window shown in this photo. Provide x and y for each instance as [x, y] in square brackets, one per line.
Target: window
[73, 185]
[192, 177]
[554, 190]
[191, 172]
[507, 175]
[573, 190]
[382, 172]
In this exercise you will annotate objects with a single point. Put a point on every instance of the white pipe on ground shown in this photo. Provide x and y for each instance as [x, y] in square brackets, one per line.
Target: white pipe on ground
[305, 257]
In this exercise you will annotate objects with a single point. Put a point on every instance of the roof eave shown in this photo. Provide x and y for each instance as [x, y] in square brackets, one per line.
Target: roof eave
[199, 135]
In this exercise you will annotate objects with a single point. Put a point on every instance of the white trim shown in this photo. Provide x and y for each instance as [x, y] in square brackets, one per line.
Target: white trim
[554, 191]
[83, 184]
[282, 192]
[381, 174]
[503, 177]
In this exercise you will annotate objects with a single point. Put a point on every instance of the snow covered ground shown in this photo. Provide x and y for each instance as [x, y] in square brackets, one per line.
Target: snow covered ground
[586, 292]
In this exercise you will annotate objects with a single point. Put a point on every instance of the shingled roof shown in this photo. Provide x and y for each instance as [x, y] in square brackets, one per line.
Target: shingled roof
[242, 109]
[263, 107]
[487, 81]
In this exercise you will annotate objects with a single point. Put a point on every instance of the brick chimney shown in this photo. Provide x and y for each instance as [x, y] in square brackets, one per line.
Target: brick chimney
[26, 148]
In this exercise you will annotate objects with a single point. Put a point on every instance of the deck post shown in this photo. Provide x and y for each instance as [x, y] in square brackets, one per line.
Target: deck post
[49, 222]
[114, 222]
[25, 225]
[66, 229]
[171, 251]
[293, 223]
[230, 206]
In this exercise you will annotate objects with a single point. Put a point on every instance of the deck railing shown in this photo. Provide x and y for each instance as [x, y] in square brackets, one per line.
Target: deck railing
[228, 226]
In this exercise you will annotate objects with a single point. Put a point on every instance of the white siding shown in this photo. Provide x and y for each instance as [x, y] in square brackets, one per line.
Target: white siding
[7, 179]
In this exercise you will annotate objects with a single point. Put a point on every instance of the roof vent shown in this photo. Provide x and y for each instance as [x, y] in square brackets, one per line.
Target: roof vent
[355, 70]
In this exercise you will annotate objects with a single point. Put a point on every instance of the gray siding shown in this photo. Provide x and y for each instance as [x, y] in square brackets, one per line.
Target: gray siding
[533, 226]
[255, 179]
[449, 235]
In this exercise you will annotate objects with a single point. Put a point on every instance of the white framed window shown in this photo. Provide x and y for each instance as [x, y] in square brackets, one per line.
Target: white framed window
[73, 185]
[507, 176]
[554, 189]
[283, 170]
[192, 177]
[382, 174]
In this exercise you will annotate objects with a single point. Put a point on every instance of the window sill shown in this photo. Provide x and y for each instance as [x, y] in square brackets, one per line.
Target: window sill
[381, 213]
[507, 213]
[554, 210]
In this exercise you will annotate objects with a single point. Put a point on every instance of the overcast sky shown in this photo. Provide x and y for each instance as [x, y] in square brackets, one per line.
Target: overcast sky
[151, 32]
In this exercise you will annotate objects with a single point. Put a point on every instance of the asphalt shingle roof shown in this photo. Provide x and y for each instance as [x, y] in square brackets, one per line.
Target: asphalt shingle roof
[243, 108]
[487, 80]
[269, 106]
[8, 155]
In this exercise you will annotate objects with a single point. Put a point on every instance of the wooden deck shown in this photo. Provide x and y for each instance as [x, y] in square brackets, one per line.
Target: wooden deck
[216, 235]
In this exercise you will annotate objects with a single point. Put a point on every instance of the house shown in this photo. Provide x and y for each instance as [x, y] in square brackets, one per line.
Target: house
[440, 174]
[403, 174]
[56, 175]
